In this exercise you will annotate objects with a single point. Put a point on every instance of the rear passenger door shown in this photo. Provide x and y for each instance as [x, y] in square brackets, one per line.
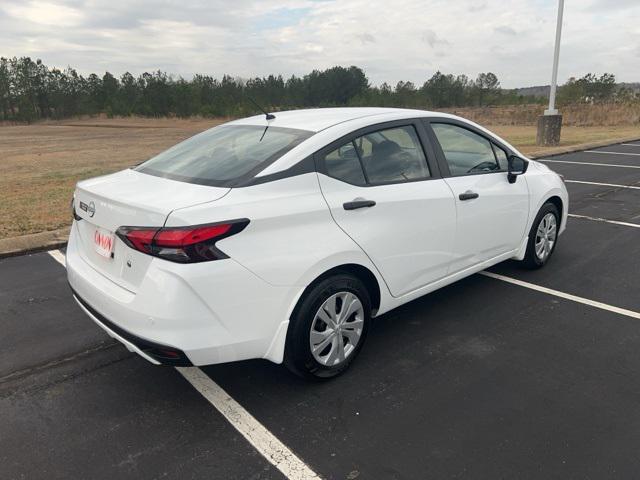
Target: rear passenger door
[492, 213]
[384, 190]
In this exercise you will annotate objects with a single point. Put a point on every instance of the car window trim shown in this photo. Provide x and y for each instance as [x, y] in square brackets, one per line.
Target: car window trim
[494, 146]
[364, 170]
[442, 161]
[423, 141]
[323, 156]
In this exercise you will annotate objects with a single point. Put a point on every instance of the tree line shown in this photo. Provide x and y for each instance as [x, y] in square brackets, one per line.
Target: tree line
[29, 91]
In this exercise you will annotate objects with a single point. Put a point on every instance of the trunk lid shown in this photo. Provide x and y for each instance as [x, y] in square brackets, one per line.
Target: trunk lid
[128, 198]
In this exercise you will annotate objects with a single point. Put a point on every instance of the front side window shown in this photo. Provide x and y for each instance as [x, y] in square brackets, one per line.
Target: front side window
[392, 155]
[466, 152]
[224, 154]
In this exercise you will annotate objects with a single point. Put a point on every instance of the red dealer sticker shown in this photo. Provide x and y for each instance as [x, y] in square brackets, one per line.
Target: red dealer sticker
[103, 242]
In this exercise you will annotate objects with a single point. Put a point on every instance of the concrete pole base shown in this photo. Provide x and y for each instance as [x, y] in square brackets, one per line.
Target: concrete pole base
[549, 130]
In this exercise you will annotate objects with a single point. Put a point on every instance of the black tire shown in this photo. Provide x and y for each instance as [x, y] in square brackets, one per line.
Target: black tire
[531, 260]
[298, 357]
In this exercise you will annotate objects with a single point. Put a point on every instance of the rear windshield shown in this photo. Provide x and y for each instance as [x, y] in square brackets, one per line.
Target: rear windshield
[225, 155]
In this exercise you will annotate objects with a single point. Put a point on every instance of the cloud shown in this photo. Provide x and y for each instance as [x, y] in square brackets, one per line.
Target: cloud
[505, 30]
[402, 40]
[45, 13]
[613, 4]
[476, 7]
[366, 38]
[432, 39]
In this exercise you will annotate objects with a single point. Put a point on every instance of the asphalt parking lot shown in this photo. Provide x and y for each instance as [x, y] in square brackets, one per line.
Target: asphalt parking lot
[485, 378]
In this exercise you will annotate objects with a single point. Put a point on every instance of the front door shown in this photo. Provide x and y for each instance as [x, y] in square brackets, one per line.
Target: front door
[492, 213]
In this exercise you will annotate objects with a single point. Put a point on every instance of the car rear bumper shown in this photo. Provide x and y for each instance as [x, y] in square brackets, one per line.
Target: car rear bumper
[200, 314]
[154, 352]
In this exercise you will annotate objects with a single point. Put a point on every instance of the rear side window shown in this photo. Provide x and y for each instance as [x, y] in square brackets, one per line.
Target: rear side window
[393, 155]
[223, 154]
[466, 152]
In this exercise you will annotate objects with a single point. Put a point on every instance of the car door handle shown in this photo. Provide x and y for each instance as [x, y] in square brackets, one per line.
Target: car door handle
[358, 203]
[468, 195]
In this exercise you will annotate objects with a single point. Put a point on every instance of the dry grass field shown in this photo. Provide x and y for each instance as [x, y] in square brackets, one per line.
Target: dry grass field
[40, 164]
[523, 137]
[580, 115]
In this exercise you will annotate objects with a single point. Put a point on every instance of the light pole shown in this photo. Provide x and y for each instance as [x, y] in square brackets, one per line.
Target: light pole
[556, 55]
[550, 124]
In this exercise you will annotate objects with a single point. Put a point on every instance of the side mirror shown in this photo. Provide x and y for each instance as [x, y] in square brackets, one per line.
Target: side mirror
[517, 166]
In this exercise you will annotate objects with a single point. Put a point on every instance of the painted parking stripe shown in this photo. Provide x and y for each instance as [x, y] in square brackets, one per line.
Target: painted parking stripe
[587, 163]
[611, 153]
[58, 256]
[598, 219]
[566, 296]
[256, 434]
[631, 144]
[613, 185]
[272, 449]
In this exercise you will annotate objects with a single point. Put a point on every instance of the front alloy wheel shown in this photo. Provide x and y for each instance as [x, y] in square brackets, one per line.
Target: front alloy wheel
[543, 237]
[546, 236]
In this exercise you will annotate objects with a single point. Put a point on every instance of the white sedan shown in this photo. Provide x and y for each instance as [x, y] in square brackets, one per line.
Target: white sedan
[281, 237]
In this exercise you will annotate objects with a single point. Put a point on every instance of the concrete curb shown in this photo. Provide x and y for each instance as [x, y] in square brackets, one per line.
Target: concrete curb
[579, 147]
[37, 242]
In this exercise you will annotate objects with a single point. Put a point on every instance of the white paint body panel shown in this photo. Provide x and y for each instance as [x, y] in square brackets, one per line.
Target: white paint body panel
[492, 224]
[543, 184]
[214, 311]
[130, 198]
[409, 233]
[418, 238]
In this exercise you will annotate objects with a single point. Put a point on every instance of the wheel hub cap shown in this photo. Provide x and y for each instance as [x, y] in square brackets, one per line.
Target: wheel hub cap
[336, 329]
[546, 236]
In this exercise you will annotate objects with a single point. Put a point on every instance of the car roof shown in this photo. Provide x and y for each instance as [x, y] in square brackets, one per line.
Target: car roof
[318, 119]
[329, 124]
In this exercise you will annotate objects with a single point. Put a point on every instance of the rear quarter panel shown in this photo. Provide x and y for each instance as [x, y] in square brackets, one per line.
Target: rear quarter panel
[291, 238]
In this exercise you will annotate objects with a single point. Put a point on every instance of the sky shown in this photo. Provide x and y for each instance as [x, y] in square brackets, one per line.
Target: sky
[391, 40]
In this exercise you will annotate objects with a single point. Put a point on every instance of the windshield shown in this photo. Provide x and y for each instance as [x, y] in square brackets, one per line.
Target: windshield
[224, 155]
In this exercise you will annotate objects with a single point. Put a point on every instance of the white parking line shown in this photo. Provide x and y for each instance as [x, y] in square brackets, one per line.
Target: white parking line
[272, 449]
[631, 144]
[598, 219]
[587, 163]
[611, 153]
[256, 434]
[634, 187]
[567, 296]
[58, 256]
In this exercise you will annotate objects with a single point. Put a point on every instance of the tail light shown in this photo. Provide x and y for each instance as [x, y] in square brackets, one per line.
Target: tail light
[182, 244]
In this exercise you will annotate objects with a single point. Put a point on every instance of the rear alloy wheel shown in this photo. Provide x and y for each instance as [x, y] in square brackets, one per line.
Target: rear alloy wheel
[543, 237]
[328, 327]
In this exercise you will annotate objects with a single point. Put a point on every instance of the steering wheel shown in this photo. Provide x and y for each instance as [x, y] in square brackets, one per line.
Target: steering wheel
[485, 165]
